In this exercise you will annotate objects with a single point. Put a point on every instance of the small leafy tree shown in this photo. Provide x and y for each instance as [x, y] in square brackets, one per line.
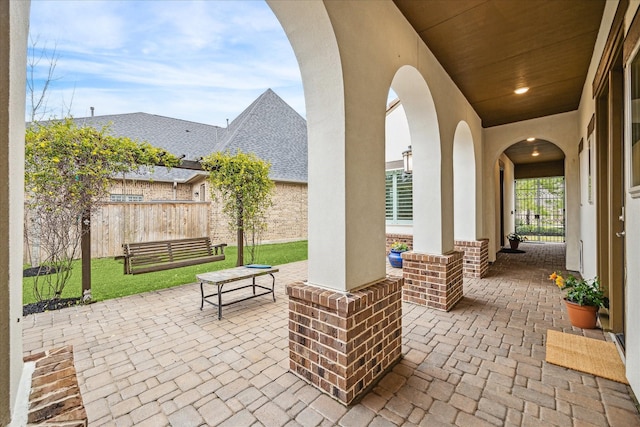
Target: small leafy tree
[68, 170]
[241, 182]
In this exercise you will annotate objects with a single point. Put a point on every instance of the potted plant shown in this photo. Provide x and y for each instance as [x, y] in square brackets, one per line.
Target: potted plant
[583, 299]
[515, 239]
[395, 256]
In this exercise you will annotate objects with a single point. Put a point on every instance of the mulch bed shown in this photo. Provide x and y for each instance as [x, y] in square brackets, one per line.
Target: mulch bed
[49, 305]
[46, 305]
[38, 271]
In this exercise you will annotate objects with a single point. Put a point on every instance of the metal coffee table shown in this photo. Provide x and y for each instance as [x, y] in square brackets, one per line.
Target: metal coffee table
[223, 277]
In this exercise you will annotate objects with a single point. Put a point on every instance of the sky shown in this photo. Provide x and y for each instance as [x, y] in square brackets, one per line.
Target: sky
[203, 61]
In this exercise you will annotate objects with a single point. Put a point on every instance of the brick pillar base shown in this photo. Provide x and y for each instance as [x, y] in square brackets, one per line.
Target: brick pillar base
[476, 257]
[432, 280]
[55, 398]
[343, 343]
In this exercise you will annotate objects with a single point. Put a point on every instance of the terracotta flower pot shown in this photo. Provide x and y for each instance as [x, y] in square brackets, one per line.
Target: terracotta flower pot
[582, 316]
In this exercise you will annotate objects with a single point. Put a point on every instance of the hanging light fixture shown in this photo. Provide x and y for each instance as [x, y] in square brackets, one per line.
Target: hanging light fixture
[407, 158]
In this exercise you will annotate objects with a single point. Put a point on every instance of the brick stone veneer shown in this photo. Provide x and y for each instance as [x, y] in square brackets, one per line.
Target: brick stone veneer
[343, 343]
[55, 396]
[476, 257]
[402, 238]
[432, 280]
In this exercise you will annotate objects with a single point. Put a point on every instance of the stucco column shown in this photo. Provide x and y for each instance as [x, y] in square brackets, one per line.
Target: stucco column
[346, 215]
[345, 328]
[14, 18]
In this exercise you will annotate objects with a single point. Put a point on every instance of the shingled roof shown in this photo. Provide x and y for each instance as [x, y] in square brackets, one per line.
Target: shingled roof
[274, 132]
[179, 137]
[269, 128]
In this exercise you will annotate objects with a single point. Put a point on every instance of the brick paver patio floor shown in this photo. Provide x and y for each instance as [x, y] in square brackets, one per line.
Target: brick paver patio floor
[155, 359]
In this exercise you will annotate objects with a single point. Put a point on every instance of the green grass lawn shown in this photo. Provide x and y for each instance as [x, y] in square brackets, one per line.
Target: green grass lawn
[109, 281]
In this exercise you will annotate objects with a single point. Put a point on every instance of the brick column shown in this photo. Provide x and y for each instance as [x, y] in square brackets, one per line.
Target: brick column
[476, 257]
[432, 280]
[343, 343]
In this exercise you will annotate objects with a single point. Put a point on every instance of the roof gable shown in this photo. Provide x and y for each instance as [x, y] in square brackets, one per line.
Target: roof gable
[274, 132]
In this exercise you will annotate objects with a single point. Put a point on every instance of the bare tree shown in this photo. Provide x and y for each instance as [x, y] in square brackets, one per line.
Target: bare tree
[38, 94]
[38, 90]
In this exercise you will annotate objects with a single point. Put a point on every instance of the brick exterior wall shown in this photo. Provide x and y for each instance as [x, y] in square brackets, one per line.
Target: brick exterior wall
[153, 190]
[286, 220]
[401, 238]
[344, 343]
[432, 280]
[476, 257]
[55, 398]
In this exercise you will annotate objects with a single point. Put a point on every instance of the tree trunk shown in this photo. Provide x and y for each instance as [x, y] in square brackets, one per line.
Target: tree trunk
[240, 230]
[85, 247]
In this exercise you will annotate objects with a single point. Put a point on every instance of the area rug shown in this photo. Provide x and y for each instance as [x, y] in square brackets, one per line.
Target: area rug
[584, 354]
[511, 251]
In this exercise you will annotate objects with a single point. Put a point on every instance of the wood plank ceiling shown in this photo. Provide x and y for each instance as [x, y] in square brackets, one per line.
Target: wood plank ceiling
[492, 47]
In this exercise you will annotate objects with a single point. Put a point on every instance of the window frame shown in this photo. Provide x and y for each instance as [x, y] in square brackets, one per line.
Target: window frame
[126, 198]
[631, 176]
[397, 174]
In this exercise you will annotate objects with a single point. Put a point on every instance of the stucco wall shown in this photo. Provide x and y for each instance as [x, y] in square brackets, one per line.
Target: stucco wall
[397, 137]
[586, 111]
[509, 207]
[13, 49]
[588, 212]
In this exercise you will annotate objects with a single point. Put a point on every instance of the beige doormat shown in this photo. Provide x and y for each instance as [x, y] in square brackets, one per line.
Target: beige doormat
[584, 354]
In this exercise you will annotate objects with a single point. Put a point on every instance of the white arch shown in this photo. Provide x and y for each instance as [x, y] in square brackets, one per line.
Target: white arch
[420, 109]
[345, 127]
[321, 72]
[464, 184]
[561, 130]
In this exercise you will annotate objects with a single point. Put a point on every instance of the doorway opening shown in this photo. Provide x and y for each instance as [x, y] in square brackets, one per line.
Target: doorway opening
[540, 208]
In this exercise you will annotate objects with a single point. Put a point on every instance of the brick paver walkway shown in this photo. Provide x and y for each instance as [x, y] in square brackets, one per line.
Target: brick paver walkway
[155, 359]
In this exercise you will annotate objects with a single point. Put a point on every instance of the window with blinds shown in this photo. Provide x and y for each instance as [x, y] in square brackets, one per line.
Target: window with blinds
[398, 197]
[127, 198]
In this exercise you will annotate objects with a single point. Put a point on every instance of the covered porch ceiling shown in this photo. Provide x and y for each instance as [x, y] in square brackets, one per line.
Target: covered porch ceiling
[490, 48]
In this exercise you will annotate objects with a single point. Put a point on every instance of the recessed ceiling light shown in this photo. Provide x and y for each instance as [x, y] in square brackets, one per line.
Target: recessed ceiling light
[522, 90]
[531, 139]
[535, 153]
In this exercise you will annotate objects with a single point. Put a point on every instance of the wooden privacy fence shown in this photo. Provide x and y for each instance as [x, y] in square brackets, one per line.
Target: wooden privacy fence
[113, 224]
[117, 223]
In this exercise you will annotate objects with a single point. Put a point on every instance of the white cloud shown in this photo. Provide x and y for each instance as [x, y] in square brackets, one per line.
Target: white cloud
[195, 60]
